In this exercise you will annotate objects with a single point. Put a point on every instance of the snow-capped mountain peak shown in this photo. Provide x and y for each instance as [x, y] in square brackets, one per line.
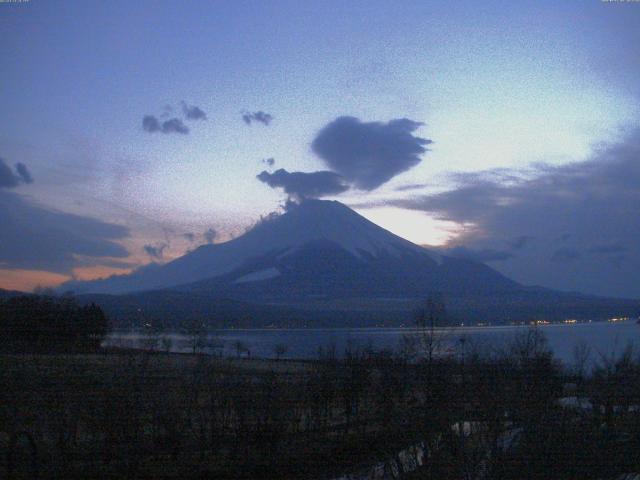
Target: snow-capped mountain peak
[330, 221]
[312, 221]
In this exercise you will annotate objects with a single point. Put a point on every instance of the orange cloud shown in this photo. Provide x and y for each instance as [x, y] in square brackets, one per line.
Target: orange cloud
[27, 280]
[98, 271]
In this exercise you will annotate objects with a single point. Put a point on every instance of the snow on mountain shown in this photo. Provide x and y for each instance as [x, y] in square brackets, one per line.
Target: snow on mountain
[323, 257]
[312, 221]
[259, 275]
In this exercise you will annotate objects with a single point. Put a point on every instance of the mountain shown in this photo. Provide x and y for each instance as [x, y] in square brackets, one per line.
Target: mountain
[316, 248]
[5, 294]
[322, 263]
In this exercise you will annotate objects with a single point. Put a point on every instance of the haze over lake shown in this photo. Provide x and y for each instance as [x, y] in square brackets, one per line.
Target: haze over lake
[603, 338]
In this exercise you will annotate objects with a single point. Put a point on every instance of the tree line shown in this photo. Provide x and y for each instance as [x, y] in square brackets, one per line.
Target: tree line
[39, 323]
[478, 412]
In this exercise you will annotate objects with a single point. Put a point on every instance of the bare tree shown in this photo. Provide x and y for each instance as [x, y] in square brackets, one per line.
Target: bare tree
[197, 336]
[149, 337]
[241, 347]
[280, 349]
[430, 338]
[216, 344]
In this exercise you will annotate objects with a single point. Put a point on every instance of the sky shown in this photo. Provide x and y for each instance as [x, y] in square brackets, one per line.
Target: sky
[507, 132]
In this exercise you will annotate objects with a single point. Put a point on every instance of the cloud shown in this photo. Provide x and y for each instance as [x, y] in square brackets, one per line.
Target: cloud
[369, 154]
[484, 255]
[88, 261]
[564, 237]
[587, 206]
[210, 235]
[174, 125]
[552, 199]
[33, 237]
[302, 185]
[191, 112]
[191, 237]
[565, 254]
[520, 242]
[151, 124]
[361, 155]
[9, 179]
[155, 251]
[609, 249]
[411, 186]
[24, 173]
[269, 161]
[260, 117]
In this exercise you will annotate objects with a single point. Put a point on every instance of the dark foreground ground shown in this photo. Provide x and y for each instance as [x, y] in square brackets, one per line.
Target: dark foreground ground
[494, 415]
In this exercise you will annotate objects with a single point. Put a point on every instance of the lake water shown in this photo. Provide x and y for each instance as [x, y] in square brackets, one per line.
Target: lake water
[603, 338]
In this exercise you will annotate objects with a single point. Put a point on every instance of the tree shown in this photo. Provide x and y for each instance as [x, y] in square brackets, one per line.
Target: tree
[197, 336]
[241, 348]
[166, 343]
[44, 323]
[280, 349]
[428, 341]
[150, 337]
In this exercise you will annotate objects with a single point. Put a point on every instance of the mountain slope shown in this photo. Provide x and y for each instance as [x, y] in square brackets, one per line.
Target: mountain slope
[323, 264]
[322, 269]
[312, 235]
[322, 278]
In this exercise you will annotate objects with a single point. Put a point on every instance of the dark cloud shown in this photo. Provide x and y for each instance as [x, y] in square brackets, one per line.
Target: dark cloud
[191, 112]
[155, 251]
[302, 185]
[369, 154]
[411, 186]
[503, 176]
[564, 237]
[34, 237]
[260, 117]
[210, 235]
[565, 254]
[469, 203]
[269, 161]
[519, 242]
[578, 207]
[191, 237]
[24, 173]
[608, 249]
[484, 255]
[9, 179]
[151, 124]
[87, 261]
[174, 125]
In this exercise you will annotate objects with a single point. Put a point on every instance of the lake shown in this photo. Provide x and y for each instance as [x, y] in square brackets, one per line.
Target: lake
[604, 338]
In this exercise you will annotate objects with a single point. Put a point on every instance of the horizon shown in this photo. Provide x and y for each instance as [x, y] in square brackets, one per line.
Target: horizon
[136, 132]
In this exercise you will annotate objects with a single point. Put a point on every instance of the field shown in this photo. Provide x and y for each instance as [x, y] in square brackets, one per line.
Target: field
[172, 415]
[135, 414]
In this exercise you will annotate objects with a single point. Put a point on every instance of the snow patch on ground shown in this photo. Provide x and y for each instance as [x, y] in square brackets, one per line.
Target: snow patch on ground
[312, 221]
[259, 275]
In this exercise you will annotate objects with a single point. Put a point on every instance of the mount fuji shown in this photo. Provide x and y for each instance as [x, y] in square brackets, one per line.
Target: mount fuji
[315, 248]
[322, 256]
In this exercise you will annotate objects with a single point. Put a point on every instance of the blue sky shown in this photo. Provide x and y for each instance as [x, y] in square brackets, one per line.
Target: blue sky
[507, 85]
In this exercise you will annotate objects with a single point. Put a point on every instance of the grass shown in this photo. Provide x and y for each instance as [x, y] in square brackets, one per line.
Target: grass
[172, 416]
[133, 414]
